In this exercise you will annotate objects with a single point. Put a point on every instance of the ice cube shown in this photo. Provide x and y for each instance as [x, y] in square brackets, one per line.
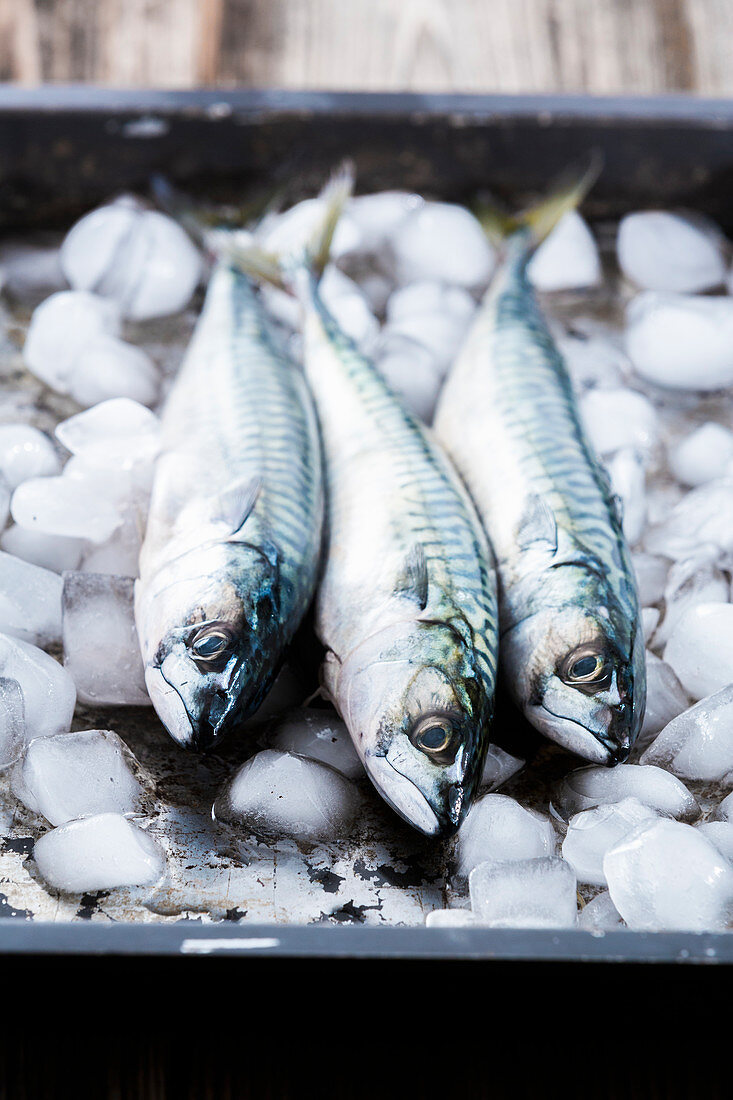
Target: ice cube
[379, 216]
[48, 551]
[288, 233]
[108, 367]
[703, 517]
[528, 893]
[26, 452]
[119, 555]
[140, 258]
[668, 876]
[12, 721]
[498, 828]
[412, 373]
[279, 794]
[319, 735]
[651, 577]
[681, 342]
[724, 810]
[450, 918]
[72, 775]
[499, 767]
[628, 483]
[4, 501]
[115, 432]
[698, 743]
[433, 315]
[593, 361]
[64, 506]
[101, 648]
[700, 648]
[568, 259]
[60, 329]
[665, 699]
[719, 833]
[49, 694]
[585, 788]
[703, 455]
[592, 833]
[659, 250]
[619, 418]
[444, 243]
[96, 853]
[690, 583]
[649, 621]
[30, 601]
[600, 915]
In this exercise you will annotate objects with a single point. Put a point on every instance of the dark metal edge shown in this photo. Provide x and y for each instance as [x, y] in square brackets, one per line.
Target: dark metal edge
[196, 940]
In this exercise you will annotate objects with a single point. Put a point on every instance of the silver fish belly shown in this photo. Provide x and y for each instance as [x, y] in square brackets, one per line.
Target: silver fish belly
[571, 648]
[406, 606]
[231, 552]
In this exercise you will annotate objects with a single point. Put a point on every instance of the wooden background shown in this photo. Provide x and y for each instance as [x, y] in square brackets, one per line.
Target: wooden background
[423, 45]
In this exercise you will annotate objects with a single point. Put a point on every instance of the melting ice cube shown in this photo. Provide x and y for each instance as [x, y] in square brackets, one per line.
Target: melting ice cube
[49, 694]
[592, 833]
[73, 775]
[319, 735]
[619, 418]
[451, 918]
[700, 648]
[665, 699]
[659, 250]
[698, 743]
[600, 915]
[64, 506]
[585, 788]
[140, 258]
[100, 852]
[26, 452]
[528, 893]
[276, 794]
[703, 455]
[444, 243]
[118, 432]
[498, 828]
[568, 259]
[681, 342]
[12, 721]
[30, 601]
[101, 648]
[48, 551]
[59, 330]
[669, 876]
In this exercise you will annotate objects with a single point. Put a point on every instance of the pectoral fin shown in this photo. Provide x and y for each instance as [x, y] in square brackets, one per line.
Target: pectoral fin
[412, 580]
[537, 524]
[236, 503]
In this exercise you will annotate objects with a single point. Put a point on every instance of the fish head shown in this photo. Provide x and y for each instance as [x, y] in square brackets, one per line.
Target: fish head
[579, 677]
[417, 710]
[210, 645]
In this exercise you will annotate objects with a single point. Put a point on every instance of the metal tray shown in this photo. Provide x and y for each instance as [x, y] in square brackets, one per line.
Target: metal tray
[64, 149]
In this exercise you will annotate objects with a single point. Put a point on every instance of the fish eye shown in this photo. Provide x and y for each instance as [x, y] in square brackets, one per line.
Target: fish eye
[210, 645]
[586, 668]
[436, 737]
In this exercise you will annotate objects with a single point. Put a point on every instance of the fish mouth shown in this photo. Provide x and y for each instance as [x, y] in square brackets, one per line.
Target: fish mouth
[405, 798]
[607, 747]
[169, 707]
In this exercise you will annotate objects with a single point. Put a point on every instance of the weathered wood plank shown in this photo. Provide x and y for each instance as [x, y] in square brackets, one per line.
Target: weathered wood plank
[422, 45]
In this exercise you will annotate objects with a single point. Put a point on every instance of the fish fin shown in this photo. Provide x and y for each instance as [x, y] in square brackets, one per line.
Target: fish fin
[537, 524]
[283, 271]
[235, 504]
[541, 217]
[412, 581]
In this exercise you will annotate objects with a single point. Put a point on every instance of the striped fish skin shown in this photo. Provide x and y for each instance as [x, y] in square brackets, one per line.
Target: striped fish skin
[231, 552]
[572, 649]
[406, 606]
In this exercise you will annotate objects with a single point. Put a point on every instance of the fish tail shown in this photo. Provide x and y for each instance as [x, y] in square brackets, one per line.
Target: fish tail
[283, 271]
[538, 220]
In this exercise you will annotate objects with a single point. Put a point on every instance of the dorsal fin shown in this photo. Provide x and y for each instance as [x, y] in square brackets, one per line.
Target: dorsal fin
[537, 524]
[412, 580]
[235, 504]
